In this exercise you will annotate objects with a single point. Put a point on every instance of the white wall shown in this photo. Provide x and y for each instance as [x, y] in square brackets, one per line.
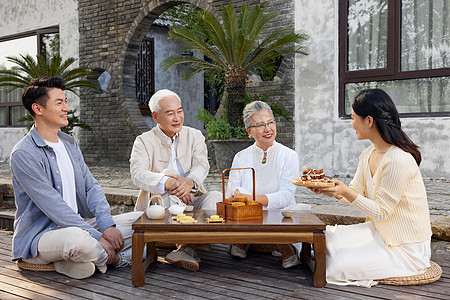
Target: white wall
[28, 15]
[322, 140]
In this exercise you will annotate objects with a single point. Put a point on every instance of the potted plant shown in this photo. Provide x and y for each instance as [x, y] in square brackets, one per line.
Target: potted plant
[235, 47]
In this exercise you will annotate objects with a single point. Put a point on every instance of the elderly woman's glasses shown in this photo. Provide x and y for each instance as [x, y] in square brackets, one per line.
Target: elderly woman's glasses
[261, 126]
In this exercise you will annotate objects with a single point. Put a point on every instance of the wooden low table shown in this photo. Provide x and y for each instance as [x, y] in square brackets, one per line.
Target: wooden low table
[304, 227]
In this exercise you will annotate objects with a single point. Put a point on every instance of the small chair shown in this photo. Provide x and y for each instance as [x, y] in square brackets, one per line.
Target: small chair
[432, 274]
[35, 267]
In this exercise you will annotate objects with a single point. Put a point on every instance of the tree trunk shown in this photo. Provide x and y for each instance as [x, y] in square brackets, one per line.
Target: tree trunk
[235, 87]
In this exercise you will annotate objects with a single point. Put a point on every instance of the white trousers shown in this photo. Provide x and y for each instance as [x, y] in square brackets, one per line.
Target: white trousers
[357, 255]
[77, 245]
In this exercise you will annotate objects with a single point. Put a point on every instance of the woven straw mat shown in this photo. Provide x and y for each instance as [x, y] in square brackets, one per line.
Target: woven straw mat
[432, 274]
[34, 267]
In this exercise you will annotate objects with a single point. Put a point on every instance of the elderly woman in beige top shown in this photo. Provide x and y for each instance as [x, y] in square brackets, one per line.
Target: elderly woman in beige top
[388, 188]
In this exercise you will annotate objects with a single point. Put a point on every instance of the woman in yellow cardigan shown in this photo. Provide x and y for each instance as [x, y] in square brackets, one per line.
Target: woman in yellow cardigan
[388, 188]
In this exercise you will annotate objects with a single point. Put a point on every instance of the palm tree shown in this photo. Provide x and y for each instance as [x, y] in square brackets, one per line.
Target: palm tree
[235, 48]
[29, 68]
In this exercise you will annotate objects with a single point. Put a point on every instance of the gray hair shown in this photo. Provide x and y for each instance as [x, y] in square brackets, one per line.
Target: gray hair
[153, 104]
[251, 108]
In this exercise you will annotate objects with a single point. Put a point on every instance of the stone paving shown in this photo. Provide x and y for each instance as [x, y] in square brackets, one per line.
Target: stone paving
[438, 190]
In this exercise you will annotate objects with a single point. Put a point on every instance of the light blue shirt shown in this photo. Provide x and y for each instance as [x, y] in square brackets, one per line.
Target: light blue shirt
[38, 194]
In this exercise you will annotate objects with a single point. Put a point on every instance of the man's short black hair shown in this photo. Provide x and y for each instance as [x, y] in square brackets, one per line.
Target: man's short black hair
[37, 91]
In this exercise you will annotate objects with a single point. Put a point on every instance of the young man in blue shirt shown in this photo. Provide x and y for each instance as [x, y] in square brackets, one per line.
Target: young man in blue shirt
[62, 214]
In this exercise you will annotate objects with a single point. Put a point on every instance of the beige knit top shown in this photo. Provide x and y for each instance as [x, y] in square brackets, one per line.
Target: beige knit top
[399, 208]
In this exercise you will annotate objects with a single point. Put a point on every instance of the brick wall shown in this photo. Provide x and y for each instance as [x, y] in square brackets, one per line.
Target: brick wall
[110, 34]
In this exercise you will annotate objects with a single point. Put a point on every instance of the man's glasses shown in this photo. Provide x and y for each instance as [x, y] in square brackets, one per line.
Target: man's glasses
[261, 126]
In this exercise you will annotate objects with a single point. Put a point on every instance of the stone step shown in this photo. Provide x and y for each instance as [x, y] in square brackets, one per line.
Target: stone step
[7, 218]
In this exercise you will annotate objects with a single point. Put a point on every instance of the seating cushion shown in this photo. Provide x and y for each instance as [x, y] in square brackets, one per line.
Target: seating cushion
[35, 267]
[432, 274]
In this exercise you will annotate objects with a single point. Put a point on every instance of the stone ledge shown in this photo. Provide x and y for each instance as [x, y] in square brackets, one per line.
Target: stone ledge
[6, 187]
[342, 215]
[117, 196]
[440, 225]
[7, 219]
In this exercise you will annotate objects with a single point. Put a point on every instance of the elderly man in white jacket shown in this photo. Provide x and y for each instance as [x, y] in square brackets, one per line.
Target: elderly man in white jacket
[171, 159]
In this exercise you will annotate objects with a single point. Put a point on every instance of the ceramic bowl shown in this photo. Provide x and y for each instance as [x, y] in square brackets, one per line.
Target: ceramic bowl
[287, 213]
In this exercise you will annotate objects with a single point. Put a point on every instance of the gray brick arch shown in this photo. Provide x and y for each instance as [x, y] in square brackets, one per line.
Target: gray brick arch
[129, 52]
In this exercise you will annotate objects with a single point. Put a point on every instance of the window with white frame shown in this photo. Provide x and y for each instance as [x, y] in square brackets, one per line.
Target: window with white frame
[400, 46]
[43, 41]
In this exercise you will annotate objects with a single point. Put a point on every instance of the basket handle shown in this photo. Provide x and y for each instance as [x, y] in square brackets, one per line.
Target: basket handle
[223, 181]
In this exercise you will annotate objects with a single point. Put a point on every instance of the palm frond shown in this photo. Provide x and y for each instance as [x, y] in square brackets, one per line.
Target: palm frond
[214, 34]
[284, 44]
[26, 64]
[175, 60]
[194, 42]
[42, 66]
[231, 28]
[62, 66]
[78, 73]
[81, 83]
[29, 68]
[14, 77]
[196, 65]
[192, 70]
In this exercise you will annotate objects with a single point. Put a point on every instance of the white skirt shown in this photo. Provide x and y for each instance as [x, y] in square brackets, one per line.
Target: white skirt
[357, 255]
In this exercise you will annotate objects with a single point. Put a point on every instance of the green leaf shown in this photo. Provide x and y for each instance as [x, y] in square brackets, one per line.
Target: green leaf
[205, 116]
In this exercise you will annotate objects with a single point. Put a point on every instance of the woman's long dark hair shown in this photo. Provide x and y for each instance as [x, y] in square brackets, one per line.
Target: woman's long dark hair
[377, 104]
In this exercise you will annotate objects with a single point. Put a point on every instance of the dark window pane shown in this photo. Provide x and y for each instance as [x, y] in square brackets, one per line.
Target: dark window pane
[8, 96]
[425, 35]
[18, 112]
[367, 35]
[420, 95]
[145, 72]
[3, 111]
[49, 44]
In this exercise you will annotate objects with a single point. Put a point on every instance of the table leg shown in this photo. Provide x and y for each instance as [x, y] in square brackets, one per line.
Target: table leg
[320, 257]
[137, 251]
[305, 254]
[152, 256]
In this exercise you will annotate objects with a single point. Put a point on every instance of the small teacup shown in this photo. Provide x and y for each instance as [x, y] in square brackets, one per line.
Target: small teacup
[287, 213]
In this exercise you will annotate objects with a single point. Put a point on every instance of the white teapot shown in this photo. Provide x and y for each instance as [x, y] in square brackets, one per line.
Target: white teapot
[155, 208]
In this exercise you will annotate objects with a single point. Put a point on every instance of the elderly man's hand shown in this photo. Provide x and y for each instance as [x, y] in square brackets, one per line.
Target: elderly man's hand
[171, 182]
[114, 237]
[182, 189]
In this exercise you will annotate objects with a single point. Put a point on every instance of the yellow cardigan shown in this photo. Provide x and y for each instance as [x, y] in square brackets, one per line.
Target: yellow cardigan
[400, 208]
